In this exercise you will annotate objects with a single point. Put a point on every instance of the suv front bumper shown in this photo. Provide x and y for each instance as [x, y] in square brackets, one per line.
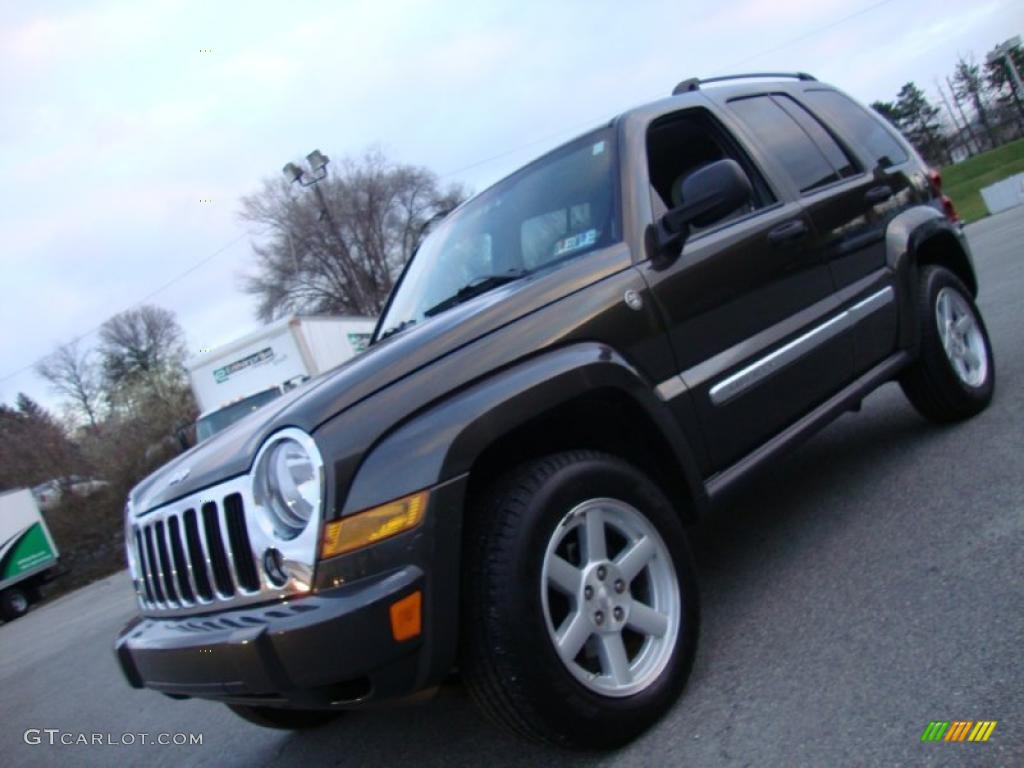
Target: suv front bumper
[331, 648]
[326, 649]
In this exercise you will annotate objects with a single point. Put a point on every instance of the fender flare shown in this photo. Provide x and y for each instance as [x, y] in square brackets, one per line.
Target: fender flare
[443, 440]
[905, 236]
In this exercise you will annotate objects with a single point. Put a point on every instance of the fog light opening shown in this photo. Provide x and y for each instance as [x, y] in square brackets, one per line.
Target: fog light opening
[273, 565]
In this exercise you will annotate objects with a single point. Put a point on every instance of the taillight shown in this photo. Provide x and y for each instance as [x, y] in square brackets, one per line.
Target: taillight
[947, 205]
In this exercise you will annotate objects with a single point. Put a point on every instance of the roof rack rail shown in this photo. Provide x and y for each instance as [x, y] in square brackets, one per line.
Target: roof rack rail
[694, 83]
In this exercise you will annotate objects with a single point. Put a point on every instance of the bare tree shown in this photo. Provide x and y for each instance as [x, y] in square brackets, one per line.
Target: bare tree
[72, 374]
[343, 258]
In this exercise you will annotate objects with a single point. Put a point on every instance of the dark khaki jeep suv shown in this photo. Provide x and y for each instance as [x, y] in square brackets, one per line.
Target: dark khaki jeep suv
[576, 364]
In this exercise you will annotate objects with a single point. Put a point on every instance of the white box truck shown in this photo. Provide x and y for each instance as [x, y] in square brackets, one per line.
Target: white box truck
[236, 379]
[28, 555]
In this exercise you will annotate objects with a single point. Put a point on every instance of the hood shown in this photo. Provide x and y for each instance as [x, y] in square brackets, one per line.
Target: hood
[230, 453]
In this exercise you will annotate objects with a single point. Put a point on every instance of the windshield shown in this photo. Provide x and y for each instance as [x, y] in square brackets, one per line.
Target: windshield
[213, 423]
[559, 207]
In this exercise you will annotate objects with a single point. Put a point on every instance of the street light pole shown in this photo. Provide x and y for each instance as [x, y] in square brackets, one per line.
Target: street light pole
[1004, 51]
[318, 165]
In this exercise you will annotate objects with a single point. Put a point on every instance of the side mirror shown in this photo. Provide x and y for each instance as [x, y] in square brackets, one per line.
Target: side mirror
[709, 195]
[185, 434]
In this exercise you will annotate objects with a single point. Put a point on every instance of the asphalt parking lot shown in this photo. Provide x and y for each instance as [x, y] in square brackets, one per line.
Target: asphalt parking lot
[871, 584]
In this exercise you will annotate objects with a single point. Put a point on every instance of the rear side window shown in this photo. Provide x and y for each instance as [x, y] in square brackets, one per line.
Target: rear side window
[787, 141]
[854, 121]
[835, 154]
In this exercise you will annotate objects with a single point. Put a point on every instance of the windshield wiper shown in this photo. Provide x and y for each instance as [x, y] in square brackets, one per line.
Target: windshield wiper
[395, 329]
[474, 288]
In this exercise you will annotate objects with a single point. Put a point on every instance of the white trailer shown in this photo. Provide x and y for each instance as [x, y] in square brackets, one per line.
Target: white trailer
[239, 377]
[28, 554]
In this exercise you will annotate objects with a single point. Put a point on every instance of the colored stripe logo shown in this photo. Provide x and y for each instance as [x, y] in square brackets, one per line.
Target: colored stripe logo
[958, 730]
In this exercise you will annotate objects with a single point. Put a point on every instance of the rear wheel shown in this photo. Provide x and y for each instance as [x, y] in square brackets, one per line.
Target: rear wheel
[580, 606]
[285, 719]
[13, 603]
[953, 377]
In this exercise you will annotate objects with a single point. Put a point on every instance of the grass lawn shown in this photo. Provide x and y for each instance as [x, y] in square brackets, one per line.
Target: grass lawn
[963, 181]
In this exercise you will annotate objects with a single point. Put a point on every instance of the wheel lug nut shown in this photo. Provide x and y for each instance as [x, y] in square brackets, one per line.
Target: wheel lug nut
[599, 618]
[618, 613]
[620, 586]
[601, 572]
[588, 592]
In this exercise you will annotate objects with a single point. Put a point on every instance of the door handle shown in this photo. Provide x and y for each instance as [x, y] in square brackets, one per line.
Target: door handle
[878, 194]
[788, 232]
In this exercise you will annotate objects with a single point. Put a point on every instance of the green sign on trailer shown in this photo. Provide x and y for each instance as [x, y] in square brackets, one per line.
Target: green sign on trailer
[28, 555]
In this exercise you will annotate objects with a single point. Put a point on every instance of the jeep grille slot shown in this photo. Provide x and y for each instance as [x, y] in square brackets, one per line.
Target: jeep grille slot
[218, 555]
[155, 574]
[181, 565]
[194, 555]
[166, 567]
[140, 558]
[238, 536]
[197, 556]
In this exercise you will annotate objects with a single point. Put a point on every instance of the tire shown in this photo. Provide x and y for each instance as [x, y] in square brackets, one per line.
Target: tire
[285, 719]
[947, 386]
[509, 660]
[13, 603]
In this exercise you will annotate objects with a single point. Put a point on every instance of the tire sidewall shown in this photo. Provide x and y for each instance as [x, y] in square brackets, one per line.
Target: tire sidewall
[14, 603]
[558, 695]
[934, 280]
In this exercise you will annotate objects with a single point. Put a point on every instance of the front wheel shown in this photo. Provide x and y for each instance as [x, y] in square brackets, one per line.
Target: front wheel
[953, 377]
[13, 603]
[580, 606]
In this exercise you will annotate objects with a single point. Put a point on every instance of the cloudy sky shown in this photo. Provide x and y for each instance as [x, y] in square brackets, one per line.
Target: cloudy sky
[116, 122]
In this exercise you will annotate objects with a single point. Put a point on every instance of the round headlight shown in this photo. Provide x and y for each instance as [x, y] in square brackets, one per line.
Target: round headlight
[287, 487]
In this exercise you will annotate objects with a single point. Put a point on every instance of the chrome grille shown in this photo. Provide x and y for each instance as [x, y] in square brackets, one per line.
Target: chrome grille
[204, 552]
[193, 554]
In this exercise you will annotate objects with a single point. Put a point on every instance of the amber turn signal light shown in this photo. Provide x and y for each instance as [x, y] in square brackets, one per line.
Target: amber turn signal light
[405, 616]
[373, 525]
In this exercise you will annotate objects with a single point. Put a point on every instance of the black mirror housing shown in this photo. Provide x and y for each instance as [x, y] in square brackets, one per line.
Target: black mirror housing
[709, 194]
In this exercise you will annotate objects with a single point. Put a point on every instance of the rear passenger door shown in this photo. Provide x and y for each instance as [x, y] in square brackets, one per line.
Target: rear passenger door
[852, 222]
[844, 201]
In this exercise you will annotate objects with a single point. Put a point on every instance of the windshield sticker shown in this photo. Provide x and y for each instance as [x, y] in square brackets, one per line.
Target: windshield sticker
[574, 243]
[598, 148]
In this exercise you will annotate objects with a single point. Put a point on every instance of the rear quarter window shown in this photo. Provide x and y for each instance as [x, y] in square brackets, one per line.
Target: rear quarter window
[857, 123]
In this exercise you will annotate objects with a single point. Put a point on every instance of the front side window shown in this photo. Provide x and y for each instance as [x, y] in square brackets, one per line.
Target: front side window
[559, 207]
[682, 143]
[784, 138]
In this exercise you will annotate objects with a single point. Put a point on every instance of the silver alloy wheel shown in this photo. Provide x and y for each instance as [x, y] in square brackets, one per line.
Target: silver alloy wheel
[19, 602]
[961, 337]
[613, 615]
